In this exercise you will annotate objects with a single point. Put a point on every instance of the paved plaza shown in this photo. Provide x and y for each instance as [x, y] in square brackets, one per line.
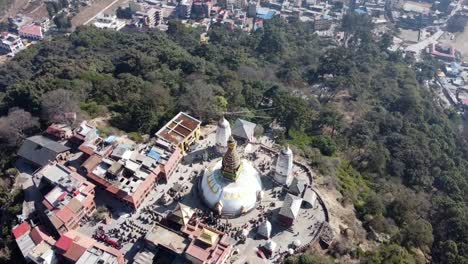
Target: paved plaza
[129, 227]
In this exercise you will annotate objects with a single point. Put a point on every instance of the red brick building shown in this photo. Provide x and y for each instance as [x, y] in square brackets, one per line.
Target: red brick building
[71, 198]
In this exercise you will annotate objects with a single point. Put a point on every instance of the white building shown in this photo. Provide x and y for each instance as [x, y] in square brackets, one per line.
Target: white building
[109, 22]
[223, 132]
[284, 165]
[11, 43]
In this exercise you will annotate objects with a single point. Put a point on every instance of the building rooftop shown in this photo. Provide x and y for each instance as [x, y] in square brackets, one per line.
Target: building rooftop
[167, 238]
[82, 249]
[127, 167]
[179, 128]
[31, 30]
[244, 129]
[40, 150]
[291, 206]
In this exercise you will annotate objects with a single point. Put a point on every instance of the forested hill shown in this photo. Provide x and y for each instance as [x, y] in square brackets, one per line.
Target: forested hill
[358, 113]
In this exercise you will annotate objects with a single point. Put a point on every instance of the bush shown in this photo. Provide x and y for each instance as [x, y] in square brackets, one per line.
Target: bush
[135, 136]
[93, 109]
[325, 143]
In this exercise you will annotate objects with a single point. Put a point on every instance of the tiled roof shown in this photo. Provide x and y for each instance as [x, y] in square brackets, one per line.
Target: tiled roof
[64, 243]
[75, 251]
[37, 235]
[20, 230]
[31, 30]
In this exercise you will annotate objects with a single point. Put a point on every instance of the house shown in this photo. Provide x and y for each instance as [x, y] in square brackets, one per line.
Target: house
[10, 43]
[35, 244]
[39, 150]
[443, 53]
[59, 131]
[32, 32]
[150, 17]
[182, 131]
[290, 210]
[184, 9]
[244, 130]
[70, 200]
[111, 22]
[77, 248]
[130, 172]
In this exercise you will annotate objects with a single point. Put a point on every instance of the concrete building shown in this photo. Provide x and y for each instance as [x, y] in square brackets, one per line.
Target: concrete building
[223, 132]
[39, 150]
[443, 53]
[150, 17]
[284, 166]
[11, 43]
[35, 244]
[181, 131]
[184, 9]
[252, 9]
[71, 199]
[237, 4]
[74, 247]
[201, 9]
[323, 23]
[111, 22]
[194, 243]
[32, 32]
[130, 172]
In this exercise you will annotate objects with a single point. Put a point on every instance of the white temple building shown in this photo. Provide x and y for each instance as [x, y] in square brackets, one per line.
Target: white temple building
[284, 167]
[231, 186]
[223, 132]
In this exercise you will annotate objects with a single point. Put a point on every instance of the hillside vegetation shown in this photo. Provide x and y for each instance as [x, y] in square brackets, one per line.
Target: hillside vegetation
[360, 114]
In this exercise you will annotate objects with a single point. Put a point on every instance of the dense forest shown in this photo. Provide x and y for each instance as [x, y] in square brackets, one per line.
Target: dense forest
[360, 113]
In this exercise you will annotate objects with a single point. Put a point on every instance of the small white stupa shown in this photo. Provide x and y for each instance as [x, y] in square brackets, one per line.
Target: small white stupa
[223, 132]
[284, 166]
[264, 229]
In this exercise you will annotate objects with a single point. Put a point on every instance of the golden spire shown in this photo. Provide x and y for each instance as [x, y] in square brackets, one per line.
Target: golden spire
[231, 161]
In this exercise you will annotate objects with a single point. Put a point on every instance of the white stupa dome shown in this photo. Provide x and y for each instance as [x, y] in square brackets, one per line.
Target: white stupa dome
[235, 197]
[231, 186]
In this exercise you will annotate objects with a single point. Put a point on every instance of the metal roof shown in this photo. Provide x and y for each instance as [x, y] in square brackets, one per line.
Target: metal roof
[291, 206]
[40, 150]
[179, 128]
[244, 129]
